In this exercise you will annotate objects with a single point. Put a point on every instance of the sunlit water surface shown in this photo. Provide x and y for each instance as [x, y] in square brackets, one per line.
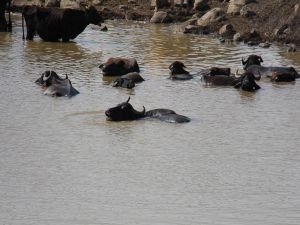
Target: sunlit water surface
[61, 163]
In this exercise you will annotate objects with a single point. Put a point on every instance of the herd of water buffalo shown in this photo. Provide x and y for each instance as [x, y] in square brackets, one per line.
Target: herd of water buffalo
[126, 71]
[53, 24]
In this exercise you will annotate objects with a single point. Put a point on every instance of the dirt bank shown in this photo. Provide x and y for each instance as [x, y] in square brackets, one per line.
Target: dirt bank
[273, 20]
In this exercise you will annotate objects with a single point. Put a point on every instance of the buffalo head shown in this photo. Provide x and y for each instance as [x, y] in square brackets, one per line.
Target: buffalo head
[124, 111]
[93, 16]
[48, 78]
[252, 60]
[55, 85]
[247, 82]
[177, 67]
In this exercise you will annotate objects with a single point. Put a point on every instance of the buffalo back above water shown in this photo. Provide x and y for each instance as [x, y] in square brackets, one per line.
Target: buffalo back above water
[119, 66]
[219, 80]
[269, 70]
[128, 80]
[52, 24]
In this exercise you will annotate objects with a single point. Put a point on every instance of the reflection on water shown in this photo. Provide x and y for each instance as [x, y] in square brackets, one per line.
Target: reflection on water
[62, 162]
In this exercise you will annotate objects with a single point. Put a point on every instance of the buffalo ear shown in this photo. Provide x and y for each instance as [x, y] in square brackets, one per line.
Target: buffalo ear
[260, 59]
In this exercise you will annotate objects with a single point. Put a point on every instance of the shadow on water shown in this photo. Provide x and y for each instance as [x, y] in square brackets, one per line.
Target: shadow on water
[53, 53]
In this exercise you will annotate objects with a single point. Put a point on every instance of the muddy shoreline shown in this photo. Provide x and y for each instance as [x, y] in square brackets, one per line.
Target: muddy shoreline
[255, 22]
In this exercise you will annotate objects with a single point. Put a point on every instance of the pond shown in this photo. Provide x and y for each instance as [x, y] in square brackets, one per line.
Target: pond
[61, 162]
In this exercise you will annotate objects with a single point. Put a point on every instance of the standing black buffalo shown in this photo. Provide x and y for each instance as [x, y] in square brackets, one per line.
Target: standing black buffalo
[53, 24]
[4, 26]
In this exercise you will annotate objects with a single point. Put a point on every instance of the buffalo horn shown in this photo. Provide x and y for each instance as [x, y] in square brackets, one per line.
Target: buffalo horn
[237, 75]
[128, 99]
[243, 62]
[45, 77]
[143, 112]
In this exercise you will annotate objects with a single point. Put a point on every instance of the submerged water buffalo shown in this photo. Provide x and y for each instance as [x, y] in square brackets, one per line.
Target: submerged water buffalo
[4, 25]
[269, 71]
[125, 111]
[119, 66]
[252, 60]
[283, 77]
[55, 85]
[128, 80]
[177, 71]
[216, 71]
[219, 80]
[167, 115]
[53, 24]
[247, 82]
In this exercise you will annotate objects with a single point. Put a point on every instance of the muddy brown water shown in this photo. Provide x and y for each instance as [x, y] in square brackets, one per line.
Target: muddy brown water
[237, 161]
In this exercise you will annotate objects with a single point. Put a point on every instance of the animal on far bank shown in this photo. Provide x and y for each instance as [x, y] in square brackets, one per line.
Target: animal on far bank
[54, 24]
[252, 60]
